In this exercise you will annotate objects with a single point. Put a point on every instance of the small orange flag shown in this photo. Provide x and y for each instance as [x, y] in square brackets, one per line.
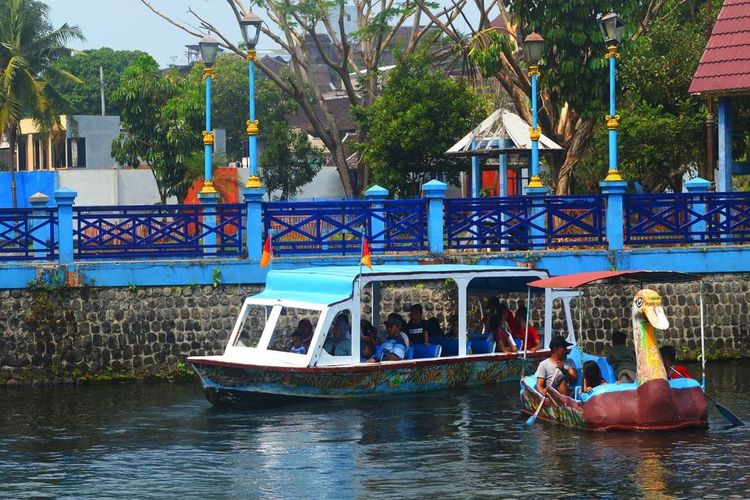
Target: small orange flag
[366, 259]
[265, 257]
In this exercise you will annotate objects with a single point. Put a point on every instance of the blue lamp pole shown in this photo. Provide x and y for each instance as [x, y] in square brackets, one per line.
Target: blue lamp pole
[612, 28]
[208, 47]
[533, 46]
[250, 24]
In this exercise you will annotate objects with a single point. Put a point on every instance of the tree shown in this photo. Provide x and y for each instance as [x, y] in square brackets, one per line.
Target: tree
[354, 56]
[161, 119]
[420, 114]
[573, 86]
[288, 161]
[85, 97]
[662, 127]
[28, 48]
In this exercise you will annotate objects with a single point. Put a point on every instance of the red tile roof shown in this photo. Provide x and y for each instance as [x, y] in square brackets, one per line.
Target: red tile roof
[725, 65]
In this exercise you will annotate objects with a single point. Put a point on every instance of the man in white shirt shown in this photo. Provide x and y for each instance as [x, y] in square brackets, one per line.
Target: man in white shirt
[556, 371]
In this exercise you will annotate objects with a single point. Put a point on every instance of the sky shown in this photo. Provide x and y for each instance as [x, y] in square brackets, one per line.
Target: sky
[130, 25]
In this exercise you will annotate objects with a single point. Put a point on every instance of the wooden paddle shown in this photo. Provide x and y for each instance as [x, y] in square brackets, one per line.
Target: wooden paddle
[731, 417]
[532, 418]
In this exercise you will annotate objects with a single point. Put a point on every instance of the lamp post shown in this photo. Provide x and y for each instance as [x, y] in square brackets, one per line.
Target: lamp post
[208, 47]
[250, 24]
[612, 28]
[533, 46]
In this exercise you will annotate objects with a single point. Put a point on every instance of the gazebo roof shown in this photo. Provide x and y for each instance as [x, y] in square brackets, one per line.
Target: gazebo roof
[501, 132]
[725, 64]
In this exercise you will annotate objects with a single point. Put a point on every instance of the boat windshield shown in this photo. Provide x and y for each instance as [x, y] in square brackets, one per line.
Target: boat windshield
[253, 322]
[293, 330]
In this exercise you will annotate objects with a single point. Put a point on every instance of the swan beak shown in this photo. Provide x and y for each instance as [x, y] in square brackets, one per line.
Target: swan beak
[657, 318]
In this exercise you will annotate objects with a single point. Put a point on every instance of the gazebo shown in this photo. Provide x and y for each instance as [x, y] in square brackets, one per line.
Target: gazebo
[500, 134]
[724, 72]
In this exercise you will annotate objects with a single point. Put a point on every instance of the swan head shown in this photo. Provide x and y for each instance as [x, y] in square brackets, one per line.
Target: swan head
[648, 303]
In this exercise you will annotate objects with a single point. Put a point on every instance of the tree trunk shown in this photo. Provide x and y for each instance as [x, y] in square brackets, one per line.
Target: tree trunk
[12, 138]
[576, 147]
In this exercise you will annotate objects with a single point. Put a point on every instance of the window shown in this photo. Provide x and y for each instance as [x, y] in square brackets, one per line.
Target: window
[253, 324]
[22, 153]
[58, 153]
[339, 337]
[293, 330]
[77, 152]
[40, 154]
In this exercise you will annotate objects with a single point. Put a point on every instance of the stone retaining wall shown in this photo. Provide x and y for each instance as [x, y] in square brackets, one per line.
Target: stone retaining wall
[60, 334]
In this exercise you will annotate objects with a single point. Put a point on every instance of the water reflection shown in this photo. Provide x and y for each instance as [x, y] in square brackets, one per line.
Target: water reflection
[155, 441]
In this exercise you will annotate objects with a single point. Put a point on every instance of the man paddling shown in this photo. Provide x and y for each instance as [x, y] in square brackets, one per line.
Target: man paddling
[557, 369]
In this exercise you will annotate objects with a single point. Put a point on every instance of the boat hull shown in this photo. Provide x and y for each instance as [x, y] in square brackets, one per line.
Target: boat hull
[230, 383]
[653, 406]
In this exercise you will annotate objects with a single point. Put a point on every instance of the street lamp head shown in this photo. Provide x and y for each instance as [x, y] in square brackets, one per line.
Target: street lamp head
[209, 48]
[612, 27]
[533, 46]
[250, 24]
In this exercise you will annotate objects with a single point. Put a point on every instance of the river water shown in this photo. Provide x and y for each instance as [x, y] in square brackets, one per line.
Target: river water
[157, 441]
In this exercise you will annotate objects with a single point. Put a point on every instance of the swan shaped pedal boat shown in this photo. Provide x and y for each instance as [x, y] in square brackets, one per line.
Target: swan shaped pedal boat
[653, 402]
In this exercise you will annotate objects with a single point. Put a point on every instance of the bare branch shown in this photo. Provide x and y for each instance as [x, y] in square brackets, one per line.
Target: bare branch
[171, 21]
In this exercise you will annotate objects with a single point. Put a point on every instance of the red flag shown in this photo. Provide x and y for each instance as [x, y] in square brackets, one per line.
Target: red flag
[265, 257]
[366, 259]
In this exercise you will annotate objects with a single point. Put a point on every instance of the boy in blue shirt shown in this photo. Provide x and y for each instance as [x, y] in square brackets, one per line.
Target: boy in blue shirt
[298, 343]
[394, 348]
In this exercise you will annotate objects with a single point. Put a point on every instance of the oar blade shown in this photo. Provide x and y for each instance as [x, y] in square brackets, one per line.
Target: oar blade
[531, 419]
[731, 417]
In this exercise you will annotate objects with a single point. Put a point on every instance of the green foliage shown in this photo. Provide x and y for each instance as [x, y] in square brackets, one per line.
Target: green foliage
[216, 277]
[419, 115]
[161, 117]
[661, 134]
[85, 97]
[288, 161]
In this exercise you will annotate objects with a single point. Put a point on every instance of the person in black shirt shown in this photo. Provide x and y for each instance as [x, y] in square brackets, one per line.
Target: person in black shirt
[416, 328]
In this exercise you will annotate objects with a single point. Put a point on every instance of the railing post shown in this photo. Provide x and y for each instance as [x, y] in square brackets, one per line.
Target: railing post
[37, 202]
[615, 222]
[253, 200]
[376, 195]
[696, 187]
[536, 195]
[64, 199]
[209, 201]
[434, 191]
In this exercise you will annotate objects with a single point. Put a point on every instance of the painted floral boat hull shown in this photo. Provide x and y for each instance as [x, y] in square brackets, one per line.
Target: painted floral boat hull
[657, 405]
[225, 382]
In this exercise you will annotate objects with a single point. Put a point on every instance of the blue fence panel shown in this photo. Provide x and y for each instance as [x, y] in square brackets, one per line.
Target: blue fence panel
[687, 218]
[28, 234]
[522, 222]
[157, 231]
[336, 227]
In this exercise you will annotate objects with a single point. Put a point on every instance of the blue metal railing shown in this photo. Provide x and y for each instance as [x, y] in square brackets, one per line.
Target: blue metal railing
[336, 227]
[28, 233]
[158, 231]
[678, 219]
[520, 223]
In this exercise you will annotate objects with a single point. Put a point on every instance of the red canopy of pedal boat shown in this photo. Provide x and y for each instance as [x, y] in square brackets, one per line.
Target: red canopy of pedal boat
[580, 279]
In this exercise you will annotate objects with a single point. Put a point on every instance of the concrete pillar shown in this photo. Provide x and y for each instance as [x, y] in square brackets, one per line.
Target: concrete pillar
[434, 191]
[615, 222]
[39, 201]
[724, 179]
[698, 221]
[64, 199]
[254, 201]
[375, 195]
[209, 201]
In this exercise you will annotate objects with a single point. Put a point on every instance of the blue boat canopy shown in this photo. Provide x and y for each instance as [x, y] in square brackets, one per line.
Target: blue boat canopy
[327, 285]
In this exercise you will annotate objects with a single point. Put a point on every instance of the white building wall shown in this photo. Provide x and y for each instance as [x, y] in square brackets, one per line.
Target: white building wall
[111, 187]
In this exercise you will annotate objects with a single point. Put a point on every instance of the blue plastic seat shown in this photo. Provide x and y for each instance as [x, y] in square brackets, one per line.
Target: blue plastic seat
[409, 353]
[420, 351]
[482, 346]
[519, 343]
[450, 347]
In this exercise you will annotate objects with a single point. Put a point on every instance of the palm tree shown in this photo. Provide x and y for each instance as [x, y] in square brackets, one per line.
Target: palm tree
[28, 47]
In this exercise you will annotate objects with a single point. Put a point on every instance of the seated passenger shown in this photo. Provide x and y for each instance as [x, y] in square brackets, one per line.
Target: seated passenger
[433, 328]
[305, 327]
[452, 331]
[554, 371]
[397, 317]
[521, 334]
[503, 338]
[416, 328]
[298, 343]
[491, 308]
[393, 349]
[367, 332]
[367, 351]
[622, 359]
[340, 343]
[592, 376]
[669, 358]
